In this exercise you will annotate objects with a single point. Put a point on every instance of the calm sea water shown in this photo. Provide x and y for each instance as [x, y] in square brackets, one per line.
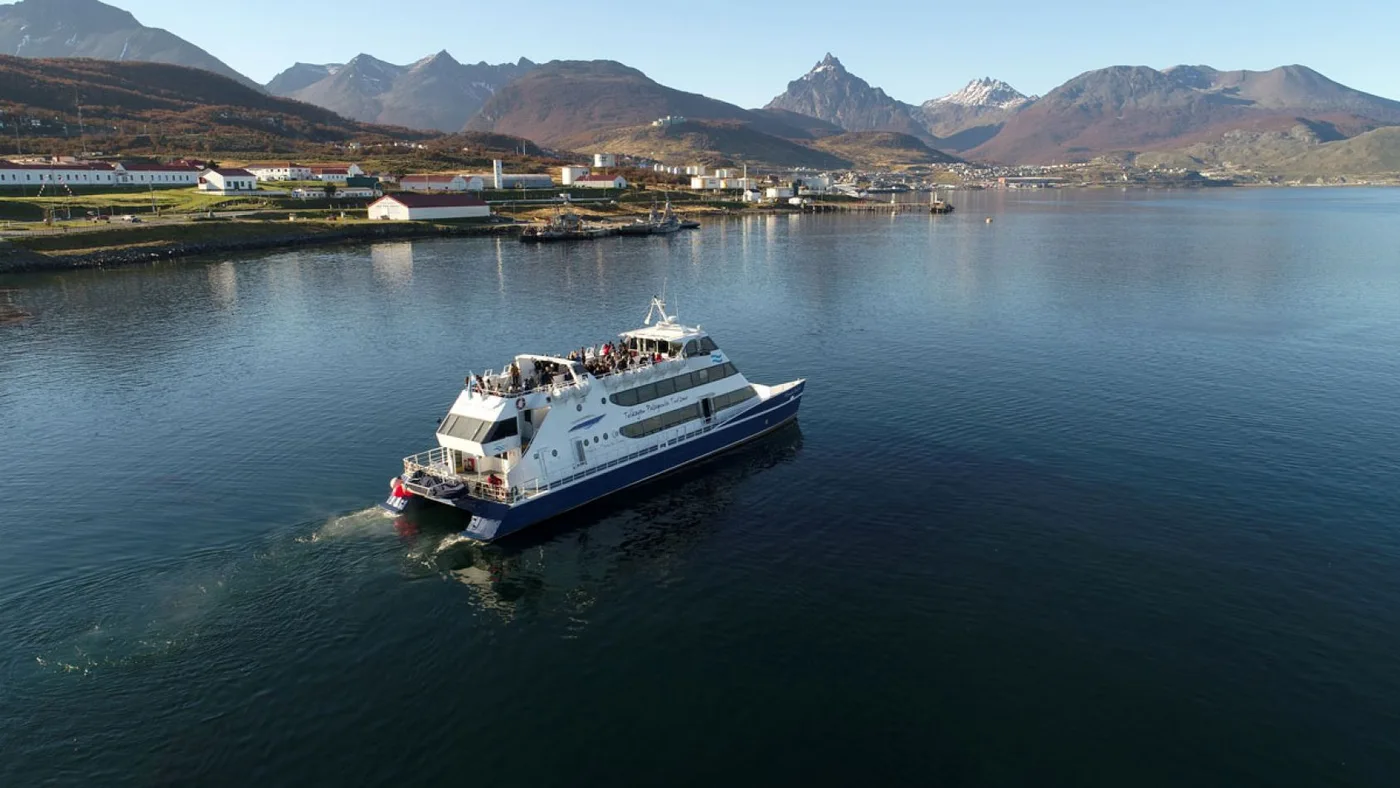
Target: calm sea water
[1103, 493]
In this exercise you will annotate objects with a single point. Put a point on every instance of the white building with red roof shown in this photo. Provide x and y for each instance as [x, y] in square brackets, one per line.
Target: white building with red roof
[407, 207]
[336, 173]
[228, 180]
[279, 171]
[441, 182]
[72, 173]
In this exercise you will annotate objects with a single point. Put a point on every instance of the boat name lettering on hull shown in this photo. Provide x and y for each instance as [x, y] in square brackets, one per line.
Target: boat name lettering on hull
[659, 405]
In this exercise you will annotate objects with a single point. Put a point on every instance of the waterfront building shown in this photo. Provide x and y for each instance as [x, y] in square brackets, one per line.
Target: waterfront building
[415, 207]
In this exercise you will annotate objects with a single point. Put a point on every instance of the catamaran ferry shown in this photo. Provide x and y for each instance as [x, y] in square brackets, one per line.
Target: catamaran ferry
[550, 433]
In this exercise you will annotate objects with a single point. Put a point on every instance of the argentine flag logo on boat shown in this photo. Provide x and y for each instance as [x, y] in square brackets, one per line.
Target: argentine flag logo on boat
[716, 358]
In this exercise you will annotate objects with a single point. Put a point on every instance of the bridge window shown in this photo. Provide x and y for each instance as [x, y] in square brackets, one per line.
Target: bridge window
[478, 430]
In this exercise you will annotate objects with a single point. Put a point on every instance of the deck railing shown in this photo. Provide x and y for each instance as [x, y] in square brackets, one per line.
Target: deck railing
[498, 385]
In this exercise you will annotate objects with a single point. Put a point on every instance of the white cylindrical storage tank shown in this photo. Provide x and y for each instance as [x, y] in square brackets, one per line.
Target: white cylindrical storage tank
[496, 173]
[567, 175]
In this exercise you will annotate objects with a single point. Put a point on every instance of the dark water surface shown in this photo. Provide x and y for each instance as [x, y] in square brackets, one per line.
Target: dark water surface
[1104, 493]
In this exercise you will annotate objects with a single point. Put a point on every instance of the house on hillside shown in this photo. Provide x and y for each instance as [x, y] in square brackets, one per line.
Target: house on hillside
[403, 207]
[336, 173]
[279, 171]
[225, 180]
[440, 182]
[601, 182]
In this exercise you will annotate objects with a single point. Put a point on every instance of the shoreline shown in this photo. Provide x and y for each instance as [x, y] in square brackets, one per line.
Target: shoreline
[17, 259]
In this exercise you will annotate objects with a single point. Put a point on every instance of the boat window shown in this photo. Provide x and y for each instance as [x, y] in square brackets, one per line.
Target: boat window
[669, 386]
[692, 348]
[478, 430]
[708, 345]
[735, 397]
[502, 430]
[675, 348]
[667, 420]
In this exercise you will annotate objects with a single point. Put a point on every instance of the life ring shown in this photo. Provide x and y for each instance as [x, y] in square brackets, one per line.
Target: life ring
[520, 404]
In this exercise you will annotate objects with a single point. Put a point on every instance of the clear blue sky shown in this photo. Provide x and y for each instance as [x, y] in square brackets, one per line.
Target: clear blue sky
[745, 52]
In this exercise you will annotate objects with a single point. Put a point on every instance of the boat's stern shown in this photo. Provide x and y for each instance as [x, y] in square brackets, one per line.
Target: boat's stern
[399, 497]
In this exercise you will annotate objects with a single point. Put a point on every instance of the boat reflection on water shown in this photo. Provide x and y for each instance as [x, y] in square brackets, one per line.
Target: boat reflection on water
[559, 565]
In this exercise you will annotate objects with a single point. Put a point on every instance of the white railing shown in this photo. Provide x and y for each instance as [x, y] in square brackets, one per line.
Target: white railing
[437, 464]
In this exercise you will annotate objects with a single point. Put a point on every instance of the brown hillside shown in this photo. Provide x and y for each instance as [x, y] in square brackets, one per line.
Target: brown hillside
[122, 100]
[881, 149]
[571, 102]
[1139, 108]
[714, 143]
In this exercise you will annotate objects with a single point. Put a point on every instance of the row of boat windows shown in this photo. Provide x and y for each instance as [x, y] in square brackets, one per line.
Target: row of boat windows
[692, 348]
[478, 430]
[678, 416]
[669, 386]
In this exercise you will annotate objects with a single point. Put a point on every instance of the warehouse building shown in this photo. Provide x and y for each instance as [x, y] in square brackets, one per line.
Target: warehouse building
[404, 207]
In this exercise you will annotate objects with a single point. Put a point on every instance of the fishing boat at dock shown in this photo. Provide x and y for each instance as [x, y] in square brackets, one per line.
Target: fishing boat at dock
[550, 433]
[657, 223]
[564, 227]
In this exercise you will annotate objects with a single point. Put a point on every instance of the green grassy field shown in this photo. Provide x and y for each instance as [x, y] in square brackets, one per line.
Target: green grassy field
[19, 208]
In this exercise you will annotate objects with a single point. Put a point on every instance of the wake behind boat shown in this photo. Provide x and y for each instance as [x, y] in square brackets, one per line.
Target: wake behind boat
[552, 433]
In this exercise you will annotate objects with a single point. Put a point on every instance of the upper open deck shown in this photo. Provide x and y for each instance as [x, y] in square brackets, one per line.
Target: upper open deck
[655, 343]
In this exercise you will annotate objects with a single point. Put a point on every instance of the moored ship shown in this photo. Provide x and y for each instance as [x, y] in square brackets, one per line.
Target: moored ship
[550, 433]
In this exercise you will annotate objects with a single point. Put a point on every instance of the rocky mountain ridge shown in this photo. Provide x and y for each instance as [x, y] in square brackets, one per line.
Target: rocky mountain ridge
[89, 28]
[436, 93]
[831, 93]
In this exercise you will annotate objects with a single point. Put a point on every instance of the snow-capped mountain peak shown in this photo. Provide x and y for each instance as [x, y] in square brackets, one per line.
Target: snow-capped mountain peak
[986, 92]
[828, 63]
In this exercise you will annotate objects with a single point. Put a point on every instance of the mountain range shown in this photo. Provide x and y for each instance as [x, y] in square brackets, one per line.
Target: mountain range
[436, 93]
[827, 116]
[127, 105]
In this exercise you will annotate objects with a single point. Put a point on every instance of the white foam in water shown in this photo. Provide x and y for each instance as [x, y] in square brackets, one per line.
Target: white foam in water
[366, 522]
[452, 540]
